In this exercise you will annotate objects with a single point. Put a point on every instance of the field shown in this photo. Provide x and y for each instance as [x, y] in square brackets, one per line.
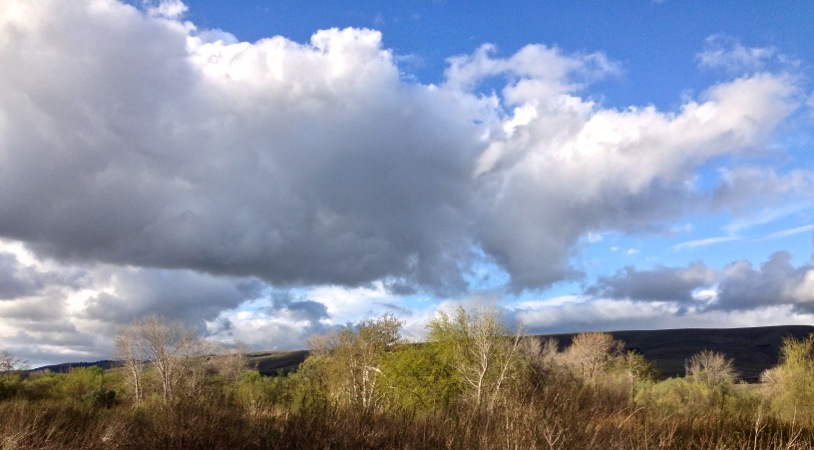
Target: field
[471, 385]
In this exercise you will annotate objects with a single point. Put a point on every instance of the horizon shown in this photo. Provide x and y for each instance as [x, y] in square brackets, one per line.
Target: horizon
[265, 171]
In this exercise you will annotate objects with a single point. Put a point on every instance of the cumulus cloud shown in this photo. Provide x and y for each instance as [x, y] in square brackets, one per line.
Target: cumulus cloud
[314, 163]
[575, 168]
[16, 280]
[170, 9]
[775, 282]
[297, 163]
[739, 286]
[284, 304]
[724, 52]
[660, 284]
[155, 167]
[176, 294]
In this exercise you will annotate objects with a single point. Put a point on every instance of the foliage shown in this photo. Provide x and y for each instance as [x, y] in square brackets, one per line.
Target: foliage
[790, 385]
[420, 379]
[592, 396]
[348, 364]
[484, 355]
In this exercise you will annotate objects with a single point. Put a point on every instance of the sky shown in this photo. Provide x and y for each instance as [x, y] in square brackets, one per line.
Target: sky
[267, 170]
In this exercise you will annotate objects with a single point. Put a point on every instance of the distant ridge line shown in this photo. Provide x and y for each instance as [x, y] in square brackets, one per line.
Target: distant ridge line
[753, 349]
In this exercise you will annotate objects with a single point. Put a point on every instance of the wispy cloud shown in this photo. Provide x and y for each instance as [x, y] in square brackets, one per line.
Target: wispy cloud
[726, 53]
[705, 242]
[790, 232]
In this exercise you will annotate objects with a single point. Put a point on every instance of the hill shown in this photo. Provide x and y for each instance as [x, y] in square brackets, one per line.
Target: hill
[752, 349]
[273, 363]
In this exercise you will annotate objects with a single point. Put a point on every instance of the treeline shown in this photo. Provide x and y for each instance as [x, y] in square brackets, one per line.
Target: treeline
[471, 384]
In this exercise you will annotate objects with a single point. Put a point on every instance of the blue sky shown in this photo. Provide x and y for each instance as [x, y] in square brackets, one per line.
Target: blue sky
[269, 170]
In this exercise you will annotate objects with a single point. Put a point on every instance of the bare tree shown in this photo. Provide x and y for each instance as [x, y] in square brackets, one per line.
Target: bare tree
[233, 362]
[591, 353]
[542, 353]
[10, 364]
[170, 346]
[711, 368]
[132, 356]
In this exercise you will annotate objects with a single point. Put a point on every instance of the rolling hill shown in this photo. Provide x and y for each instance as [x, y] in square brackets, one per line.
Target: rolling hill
[752, 349]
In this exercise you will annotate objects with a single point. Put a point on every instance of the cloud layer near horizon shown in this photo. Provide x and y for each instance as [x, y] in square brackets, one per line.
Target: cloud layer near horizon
[147, 166]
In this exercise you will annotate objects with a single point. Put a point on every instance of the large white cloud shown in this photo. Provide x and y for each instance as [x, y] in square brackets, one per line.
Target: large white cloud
[575, 168]
[140, 144]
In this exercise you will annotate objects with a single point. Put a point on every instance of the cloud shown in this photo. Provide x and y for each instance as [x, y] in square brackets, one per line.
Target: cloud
[790, 232]
[614, 314]
[534, 66]
[158, 149]
[776, 282]
[168, 9]
[760, 195]
[15, 280]
[575, 168]
[705, 242]
[725, 53]
[284, 304]
[149, 166]
[662, 284]
[312, 164]
[697, 287]
[176, 294]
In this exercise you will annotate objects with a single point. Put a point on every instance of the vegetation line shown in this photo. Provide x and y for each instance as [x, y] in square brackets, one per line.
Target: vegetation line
[472, 384]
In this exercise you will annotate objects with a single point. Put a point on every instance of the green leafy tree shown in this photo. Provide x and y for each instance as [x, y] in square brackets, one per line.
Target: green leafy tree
[348, 365]
[420, 379]
[707, 389]
[88, 385]
[482, 351]
[790, 385]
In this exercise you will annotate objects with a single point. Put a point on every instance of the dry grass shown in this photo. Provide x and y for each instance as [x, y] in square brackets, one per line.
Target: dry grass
[578, 421]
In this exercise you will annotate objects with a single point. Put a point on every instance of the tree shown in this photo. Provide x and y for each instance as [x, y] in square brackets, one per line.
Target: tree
[232, 363]
[711, 368]
[790, 385]
[171, 347]
[10, 367]
[348, 363]
[482, 351]
[419, 379]
[131, 353]
[9, 363]
[593, 353]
